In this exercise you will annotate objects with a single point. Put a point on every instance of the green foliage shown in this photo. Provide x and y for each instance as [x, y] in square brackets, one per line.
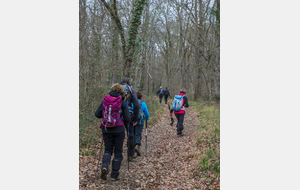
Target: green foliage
[133, 29]
[216, 13]
[154, 108]
[89, 135]
[209, 138]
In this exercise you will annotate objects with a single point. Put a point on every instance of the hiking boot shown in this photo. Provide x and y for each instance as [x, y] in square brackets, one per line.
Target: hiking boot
[137, 150]
[114, 179]
[181, 134]
[104, 173]
[130, 158]
[135, 155]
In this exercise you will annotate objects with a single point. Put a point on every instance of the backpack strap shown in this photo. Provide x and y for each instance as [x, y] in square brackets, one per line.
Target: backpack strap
[129, 87]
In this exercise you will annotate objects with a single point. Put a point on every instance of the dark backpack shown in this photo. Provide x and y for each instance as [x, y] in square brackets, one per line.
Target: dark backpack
[111, 111]
[161, 92]
[127, 89]
[167, 93]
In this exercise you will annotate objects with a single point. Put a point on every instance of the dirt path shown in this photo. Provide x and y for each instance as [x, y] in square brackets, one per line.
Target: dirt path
[169, 163]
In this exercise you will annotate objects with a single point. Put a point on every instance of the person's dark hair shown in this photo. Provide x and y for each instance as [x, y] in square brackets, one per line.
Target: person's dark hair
[139, 95]
[126, 80]
[166, 87]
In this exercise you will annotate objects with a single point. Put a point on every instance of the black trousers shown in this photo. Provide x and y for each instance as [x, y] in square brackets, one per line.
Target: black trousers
[160, 97]
[130, 139]
[113, 143]
[166, 99]
[180, 118]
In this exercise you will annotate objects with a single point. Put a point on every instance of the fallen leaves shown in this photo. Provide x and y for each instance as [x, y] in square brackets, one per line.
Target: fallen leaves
[171, 161]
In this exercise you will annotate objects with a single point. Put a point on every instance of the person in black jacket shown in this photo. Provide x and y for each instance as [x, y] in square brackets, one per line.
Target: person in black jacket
[114, 136]
[166, 94]
[160, 93]
[134, 112]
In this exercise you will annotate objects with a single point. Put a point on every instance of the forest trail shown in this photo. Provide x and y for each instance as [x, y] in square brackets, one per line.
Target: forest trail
[169, 163]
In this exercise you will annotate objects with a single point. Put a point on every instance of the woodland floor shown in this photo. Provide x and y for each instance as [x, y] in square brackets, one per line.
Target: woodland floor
[170, 163]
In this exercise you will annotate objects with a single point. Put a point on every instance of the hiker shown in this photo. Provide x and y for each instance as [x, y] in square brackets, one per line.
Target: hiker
[167, 94]
[133, 107]
[181, 98]
[113, 129]
[160, 93]
[143, 115]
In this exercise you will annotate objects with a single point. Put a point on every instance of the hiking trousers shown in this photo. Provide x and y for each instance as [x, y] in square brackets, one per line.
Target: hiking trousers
[160, 97]
[180, 118]
[166, 99]
[113, 143]
[130, 138]
[138, 132]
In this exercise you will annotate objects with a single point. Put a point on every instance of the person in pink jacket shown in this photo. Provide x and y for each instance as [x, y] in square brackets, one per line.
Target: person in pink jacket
[180, 114]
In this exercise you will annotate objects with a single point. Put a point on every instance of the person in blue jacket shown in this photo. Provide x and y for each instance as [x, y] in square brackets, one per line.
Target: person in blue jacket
[143, 114]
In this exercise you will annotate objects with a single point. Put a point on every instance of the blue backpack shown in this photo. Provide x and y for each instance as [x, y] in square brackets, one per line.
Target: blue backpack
[177, 102]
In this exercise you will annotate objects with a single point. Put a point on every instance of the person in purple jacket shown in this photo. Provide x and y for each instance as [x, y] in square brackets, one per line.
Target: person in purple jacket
[113, 130]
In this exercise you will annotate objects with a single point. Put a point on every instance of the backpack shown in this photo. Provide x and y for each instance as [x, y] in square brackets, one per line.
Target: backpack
[161, 92]
[177, 102]
[127, 88]
[111, 111]
[141, 113]
[166, 92]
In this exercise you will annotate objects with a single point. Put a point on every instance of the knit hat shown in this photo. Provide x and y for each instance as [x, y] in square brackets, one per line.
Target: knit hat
[183, 90]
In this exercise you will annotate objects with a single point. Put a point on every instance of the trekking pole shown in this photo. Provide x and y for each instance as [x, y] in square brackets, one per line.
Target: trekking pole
[128, 147]
[146, 138]
[100, 154]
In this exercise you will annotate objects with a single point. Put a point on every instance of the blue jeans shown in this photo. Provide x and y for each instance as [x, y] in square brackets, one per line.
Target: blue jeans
[138, 132]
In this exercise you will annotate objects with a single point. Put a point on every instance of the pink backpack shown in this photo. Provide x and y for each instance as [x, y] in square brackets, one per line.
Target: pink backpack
[111, 112]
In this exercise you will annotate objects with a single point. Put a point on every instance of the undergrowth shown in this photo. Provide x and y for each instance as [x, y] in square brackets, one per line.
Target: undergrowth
[89, 134]
[154, 108]
[208, 140]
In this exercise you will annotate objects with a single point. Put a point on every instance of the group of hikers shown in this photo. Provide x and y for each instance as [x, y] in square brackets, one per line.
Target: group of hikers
[122, 109]
[160, 93]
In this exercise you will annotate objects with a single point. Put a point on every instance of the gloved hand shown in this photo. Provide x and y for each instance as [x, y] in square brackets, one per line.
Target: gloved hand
[172, 121]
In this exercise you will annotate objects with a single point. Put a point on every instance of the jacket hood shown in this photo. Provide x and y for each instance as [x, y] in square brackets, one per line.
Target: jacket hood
[116, 94]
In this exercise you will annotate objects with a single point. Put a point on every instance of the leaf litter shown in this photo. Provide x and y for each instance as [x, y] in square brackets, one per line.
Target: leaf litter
[171, 162]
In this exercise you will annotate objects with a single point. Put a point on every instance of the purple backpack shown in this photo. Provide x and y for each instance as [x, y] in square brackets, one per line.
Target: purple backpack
[111, 112]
